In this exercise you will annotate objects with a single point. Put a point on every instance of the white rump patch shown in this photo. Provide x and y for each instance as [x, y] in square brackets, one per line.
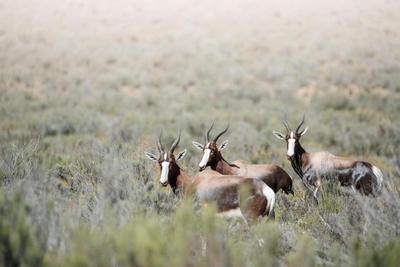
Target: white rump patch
[269, 193]
[379, 176]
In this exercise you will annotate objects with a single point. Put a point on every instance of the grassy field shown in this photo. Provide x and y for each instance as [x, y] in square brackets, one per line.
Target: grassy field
[86, 87]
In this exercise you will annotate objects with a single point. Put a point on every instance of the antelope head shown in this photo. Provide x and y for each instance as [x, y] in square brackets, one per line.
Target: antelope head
[166, 160]
[292, 137]
[210, 149]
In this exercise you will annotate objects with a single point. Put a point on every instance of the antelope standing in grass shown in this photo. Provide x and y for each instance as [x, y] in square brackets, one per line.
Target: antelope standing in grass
[312, 167]
[274, 176]
[212, 187]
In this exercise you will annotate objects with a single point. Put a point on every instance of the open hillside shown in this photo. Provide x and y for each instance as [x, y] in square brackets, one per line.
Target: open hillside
[87, 86]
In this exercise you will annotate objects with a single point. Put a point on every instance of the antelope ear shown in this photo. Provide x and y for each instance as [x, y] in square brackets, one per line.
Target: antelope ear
[198, 145]
[223, 145]
[279, 135]
[181, 155]
[304, 131]
[151, 156]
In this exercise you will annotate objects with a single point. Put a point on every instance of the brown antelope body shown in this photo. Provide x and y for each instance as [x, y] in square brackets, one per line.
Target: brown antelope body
[212, 187]
[313, 167]
[274, 176]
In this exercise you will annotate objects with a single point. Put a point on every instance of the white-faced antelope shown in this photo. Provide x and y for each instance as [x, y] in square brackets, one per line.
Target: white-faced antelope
[274, 176]
[312, 167]
[210, 187]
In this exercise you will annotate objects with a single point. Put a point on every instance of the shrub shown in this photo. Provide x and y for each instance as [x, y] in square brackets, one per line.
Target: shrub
[21, 244]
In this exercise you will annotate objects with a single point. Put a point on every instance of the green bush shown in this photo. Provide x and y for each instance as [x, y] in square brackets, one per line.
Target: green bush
[21, 244]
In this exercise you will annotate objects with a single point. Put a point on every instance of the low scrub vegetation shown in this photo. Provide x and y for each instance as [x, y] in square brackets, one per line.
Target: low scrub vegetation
[86, 88]
[107, 209]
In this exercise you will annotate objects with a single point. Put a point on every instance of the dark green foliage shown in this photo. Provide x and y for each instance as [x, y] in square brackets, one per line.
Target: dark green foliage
[375, 252]
[20, 242]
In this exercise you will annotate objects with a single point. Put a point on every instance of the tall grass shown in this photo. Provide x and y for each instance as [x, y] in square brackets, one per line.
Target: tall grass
[110, 211]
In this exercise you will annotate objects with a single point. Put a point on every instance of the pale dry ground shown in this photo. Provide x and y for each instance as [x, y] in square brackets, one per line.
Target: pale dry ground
[198, 44]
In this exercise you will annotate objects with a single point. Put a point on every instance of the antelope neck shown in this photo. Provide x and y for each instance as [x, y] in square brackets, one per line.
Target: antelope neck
[179, 181]
[223, 167]
[297, 159]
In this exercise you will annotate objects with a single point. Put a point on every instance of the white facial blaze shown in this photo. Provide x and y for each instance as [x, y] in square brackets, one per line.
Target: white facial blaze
[205, 158]
[291, 141]
[164, 172]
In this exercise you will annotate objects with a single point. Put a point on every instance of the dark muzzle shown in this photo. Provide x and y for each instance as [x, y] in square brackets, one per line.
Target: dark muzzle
[290, 157]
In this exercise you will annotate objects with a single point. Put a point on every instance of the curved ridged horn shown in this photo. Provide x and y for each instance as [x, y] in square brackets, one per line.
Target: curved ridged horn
[301, 123]
[176, 142]
[286, 123]
[159, 145]
[207, 133]
[220, 133]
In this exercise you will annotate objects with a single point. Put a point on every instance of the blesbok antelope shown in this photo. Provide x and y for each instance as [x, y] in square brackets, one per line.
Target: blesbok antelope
[312, 167]
[274, 176]
[210, 187]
